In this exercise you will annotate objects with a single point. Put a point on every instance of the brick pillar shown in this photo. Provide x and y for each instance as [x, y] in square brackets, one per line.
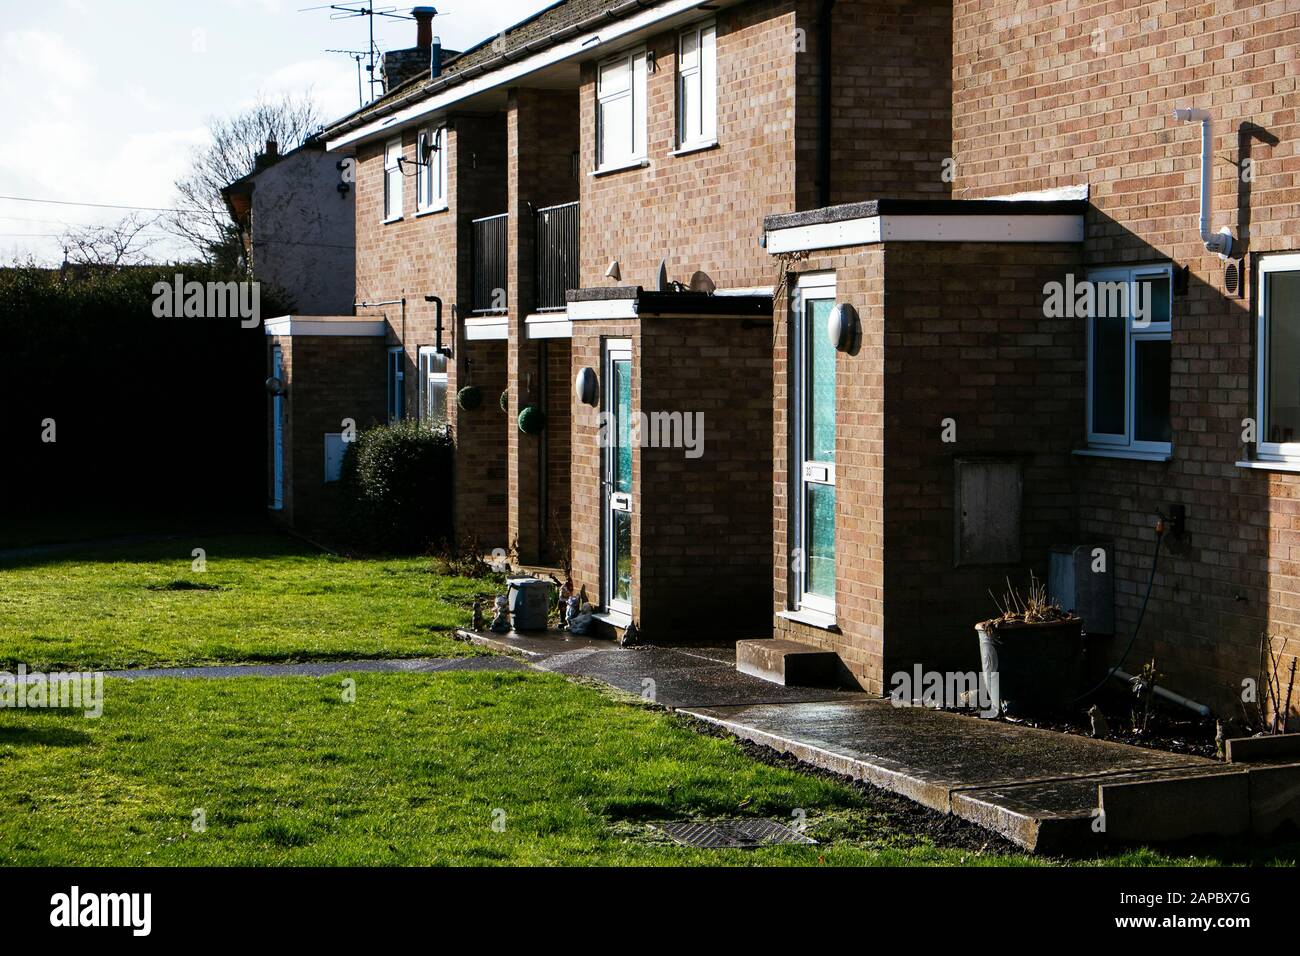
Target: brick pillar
[523, 136]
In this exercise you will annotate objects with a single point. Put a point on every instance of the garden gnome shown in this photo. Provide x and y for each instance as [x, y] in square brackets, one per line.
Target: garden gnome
[501, 619]
[564, 604]
[631, 636]
[1100, 728]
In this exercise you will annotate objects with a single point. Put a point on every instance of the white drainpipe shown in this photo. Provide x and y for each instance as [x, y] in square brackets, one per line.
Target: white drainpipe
[1220, 242]
[1169, 695]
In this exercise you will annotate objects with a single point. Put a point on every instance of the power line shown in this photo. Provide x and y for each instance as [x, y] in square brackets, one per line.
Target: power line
[100, 205]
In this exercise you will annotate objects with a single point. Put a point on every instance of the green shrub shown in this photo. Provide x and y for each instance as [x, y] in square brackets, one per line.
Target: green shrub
[396, 487]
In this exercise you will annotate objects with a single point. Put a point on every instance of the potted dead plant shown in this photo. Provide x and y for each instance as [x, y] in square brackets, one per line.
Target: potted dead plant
[1031, 653]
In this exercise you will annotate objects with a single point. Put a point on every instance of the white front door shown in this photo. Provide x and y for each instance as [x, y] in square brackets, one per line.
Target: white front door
[277, 432]
[812, 446]
[616, 478]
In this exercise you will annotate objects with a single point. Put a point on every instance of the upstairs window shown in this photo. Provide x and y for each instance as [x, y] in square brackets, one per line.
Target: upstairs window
[1129, 321]
[431, 189]
[697, 86]
[1278, 371]
[392, 181]
[620, 111]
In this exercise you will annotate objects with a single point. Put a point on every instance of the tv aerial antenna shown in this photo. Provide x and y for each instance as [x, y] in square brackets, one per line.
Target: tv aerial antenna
[359, 57]
[365, 8]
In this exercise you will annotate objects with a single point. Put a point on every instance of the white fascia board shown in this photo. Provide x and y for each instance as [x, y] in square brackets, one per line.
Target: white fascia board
[1062, 228]
[549, 325]
[825, 235]
[873, 229]
[290, 325]
[581, 45]
[595, 309]
[489, 328]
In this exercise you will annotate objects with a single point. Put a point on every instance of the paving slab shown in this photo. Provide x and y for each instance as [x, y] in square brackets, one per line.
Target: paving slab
[534, 644]
[1054, 816]
[681, 679]
[927, 755]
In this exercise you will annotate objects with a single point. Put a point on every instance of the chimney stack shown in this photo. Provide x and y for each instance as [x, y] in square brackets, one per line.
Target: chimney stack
[424, 26]
[272, 148]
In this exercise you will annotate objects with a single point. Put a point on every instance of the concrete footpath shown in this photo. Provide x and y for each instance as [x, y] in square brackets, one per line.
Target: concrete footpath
[1043, 790]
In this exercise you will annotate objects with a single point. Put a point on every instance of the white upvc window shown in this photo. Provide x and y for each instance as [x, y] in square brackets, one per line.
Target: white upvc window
[812, 433]
[392, 180]
[697, 86]
[431, 186]
[433, 384]
[1277, 374]
[621, 110]
[396, 384]
[1129, 325]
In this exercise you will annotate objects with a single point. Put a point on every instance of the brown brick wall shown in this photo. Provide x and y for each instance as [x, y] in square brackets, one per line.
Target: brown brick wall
[330, 378]
[542, 136]
[1053, 94]
[860, 449]
[706, 522]
[891, 100]
[585, 455]
[426, 255]
[703, 210]
[559, 419]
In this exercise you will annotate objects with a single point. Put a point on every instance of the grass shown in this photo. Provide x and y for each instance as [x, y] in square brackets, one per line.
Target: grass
[263, 598]
[414, 772]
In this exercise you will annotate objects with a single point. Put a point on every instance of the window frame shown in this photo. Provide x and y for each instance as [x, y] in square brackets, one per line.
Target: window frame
[431, 171]
[1127, 442]
[637, 86]
[808, 288]
[1267, 451]
[392, 175]
[428, 377]
[395, 395]
[705, 83]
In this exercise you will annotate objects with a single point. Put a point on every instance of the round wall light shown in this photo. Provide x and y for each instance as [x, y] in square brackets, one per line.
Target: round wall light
[843, 327]
[586, 387]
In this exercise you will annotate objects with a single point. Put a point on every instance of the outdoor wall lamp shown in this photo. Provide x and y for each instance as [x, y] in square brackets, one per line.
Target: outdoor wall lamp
[587, 387]
[843, 328]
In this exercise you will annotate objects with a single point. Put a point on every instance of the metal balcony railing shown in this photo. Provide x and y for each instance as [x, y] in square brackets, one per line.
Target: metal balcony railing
[557, 254]
[489, 263]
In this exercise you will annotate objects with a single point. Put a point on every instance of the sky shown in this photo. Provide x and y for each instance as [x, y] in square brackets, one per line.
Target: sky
[104, 101]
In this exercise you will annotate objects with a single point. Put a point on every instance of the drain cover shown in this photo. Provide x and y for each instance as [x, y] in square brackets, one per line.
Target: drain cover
[732, 834]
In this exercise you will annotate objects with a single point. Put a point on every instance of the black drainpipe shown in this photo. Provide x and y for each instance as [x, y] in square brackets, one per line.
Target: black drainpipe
[824, 104]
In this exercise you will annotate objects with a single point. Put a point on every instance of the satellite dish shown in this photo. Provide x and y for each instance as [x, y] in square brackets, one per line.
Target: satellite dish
[663, 275]
[700, 282]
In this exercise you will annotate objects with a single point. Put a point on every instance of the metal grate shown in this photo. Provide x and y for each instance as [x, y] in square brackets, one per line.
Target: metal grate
[732, 834]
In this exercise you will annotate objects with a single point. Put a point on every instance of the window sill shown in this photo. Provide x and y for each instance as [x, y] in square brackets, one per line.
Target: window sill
[1270, 465]
[614, 618]
[818, 619]
[394, 219]
[687, 148]
[431, 210]
[1127, 454]
[611, 170]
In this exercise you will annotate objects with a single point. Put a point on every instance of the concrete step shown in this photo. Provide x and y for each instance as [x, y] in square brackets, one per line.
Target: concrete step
[789, 663]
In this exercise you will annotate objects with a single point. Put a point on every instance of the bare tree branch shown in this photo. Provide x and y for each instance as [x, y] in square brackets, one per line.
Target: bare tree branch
[235, 143]
[118, 245]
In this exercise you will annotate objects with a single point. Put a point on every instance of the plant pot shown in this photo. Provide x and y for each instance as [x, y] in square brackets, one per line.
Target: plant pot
[1031, 668]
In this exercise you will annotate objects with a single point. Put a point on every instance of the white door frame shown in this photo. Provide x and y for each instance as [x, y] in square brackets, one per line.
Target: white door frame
[277, 433]
[804, 472]
[611, 500]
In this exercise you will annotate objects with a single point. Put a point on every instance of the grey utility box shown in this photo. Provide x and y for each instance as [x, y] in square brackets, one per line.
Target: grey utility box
[530, 601]
[1081, 578]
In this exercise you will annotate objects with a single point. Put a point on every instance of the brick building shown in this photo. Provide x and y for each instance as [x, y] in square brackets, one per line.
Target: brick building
[940, 167]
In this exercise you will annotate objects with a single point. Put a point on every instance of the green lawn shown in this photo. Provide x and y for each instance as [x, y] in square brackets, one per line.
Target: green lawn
[412, 772]
[262, 598]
